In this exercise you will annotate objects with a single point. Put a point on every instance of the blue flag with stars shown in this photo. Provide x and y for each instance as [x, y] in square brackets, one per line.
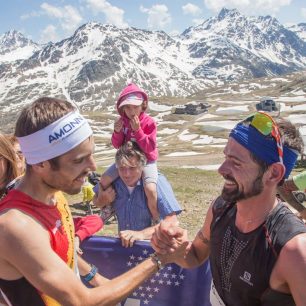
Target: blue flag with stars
[170, 286]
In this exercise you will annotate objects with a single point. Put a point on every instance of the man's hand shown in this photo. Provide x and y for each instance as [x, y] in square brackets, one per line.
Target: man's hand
[129, 237]
[77, 245]
[118, 125]
[104, 197]
[168, 237]
[135, 123]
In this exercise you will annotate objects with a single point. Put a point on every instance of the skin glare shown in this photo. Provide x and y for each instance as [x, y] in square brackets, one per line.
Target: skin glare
[130, 174]
[241, 173]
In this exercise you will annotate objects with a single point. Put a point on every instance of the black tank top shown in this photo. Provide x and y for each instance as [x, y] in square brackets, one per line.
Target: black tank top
[241, 263]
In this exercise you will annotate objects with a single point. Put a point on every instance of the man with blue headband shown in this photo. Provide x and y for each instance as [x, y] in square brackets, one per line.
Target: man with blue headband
[255, 244]
[37, 258]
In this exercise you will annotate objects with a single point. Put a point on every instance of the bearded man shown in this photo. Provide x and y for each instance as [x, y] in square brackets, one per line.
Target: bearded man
[256, 245]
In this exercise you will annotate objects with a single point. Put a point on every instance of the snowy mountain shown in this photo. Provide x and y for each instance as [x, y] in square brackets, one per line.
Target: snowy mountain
[91, 67]
[14, 46]
[299, 30]
[232, 46]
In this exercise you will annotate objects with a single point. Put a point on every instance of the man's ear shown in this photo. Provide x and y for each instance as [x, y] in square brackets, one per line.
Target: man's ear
[276, 172]
[41, 167]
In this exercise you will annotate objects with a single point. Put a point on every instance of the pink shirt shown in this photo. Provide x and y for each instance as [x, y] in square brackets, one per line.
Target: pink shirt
[145, 137]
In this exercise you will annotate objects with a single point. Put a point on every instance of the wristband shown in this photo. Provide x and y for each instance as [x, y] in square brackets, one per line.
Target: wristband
[156, 260]
[93, 271]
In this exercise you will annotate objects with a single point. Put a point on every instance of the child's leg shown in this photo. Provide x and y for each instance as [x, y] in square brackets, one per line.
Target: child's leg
[110, 175]
[151, 193]
[150, 175]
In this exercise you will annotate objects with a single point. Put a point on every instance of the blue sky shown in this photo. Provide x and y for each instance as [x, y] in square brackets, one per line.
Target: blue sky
[54, 20]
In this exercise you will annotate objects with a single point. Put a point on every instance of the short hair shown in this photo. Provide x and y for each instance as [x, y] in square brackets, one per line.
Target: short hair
[8, 154]
[39, 114]
[128, 150]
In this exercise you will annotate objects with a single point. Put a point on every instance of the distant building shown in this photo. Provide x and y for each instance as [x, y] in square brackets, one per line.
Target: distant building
[267, 104]
[192, 108]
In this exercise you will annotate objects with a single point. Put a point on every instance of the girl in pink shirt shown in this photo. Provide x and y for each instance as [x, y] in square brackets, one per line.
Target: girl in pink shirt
[135, 125]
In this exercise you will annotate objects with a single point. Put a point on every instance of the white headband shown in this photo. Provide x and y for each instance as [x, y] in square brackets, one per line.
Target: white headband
[55, 139]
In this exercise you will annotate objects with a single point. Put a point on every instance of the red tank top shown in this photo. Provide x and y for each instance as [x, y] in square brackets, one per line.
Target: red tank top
[58, 222]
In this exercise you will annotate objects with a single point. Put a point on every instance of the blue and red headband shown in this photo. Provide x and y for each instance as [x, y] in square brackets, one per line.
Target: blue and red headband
[263, 147]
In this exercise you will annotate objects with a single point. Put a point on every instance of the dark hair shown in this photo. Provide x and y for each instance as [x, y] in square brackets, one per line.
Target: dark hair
[291, 138]
[40, 114]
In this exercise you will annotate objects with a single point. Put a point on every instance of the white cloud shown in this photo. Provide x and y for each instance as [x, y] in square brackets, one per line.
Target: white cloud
[30, 15]
[248, 6]
[113, 14]
[191, 9]
[303, 12]
[68, 16]
[51, 10]
[158, 16]
[48, 34]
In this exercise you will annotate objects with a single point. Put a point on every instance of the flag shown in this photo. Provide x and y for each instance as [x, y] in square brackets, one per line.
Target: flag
[170, 286]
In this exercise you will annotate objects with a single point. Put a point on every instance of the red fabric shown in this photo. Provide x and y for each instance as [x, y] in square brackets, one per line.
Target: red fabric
[145, 136]
[87, 226]
[48, 216]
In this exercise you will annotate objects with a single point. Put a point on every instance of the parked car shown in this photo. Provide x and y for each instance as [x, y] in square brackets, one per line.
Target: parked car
[267, 104]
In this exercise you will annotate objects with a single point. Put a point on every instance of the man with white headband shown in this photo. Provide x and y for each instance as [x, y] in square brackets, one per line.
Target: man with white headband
[36, 232]
[255, 244]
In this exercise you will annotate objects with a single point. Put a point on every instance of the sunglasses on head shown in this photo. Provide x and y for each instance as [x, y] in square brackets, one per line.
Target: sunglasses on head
[265, 124]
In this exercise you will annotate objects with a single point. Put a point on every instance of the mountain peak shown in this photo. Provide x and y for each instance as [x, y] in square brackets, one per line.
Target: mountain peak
[12, 41]
[224, 13]
[14, 38]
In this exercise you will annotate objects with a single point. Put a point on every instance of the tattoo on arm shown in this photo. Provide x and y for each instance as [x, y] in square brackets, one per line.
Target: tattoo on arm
[203, 238]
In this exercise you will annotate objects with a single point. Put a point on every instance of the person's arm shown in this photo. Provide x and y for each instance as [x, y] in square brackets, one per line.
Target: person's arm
[168, 236]
[84, 269]
[31, 256]
[87, 226]
[117, 139]
[146, 137]
[102, 197]
[129, 237]
[289, 270]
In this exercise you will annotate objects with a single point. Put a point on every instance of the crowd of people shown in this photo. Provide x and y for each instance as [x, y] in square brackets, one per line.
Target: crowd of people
[255, 244]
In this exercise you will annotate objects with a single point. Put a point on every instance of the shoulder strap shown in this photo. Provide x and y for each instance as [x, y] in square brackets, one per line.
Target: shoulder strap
[219, 206]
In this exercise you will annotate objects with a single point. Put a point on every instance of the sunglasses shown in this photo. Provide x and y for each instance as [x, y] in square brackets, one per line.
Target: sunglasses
[265, 124]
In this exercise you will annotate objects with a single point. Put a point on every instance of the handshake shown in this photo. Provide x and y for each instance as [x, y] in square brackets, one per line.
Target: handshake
[170, 242]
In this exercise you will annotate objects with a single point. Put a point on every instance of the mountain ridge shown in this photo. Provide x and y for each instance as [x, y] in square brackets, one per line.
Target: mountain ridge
[90, 67]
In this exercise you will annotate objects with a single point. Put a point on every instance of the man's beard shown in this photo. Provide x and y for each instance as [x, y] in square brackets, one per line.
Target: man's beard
[237, 194]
